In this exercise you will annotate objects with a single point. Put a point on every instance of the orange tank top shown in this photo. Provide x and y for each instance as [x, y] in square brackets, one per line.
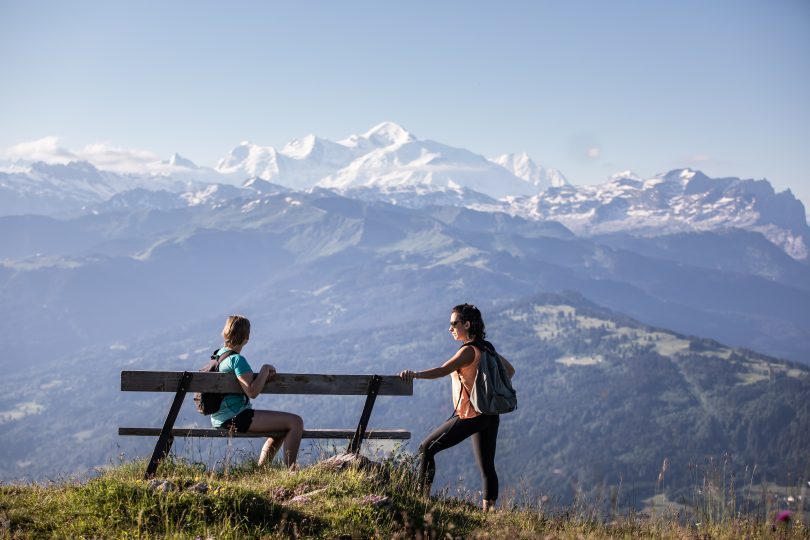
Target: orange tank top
[465, 376]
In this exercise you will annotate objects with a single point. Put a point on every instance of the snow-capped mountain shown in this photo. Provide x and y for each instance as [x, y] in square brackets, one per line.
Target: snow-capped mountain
[387, 157]
[679, 201]
[179, 161]
[427, 165]
[380, 136]
[207, 195]
[56, 188]
[303, 162]
[45, 188]
[299, 165]
[522, 166]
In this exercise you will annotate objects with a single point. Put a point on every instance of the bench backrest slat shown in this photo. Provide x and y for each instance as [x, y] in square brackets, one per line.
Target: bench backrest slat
[282, 383]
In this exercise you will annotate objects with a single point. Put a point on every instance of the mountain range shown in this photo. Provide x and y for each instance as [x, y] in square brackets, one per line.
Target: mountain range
[388, 163]
[733, 286]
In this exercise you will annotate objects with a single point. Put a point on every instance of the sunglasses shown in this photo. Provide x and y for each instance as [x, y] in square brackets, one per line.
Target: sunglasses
[455, 323]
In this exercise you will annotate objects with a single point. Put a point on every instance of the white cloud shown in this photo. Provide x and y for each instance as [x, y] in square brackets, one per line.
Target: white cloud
[46, 149]
[594, 152]
[103, 155]
[115, 158]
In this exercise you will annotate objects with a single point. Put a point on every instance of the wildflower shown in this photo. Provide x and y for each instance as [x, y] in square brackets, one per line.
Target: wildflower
[783, 516]
[781, 519]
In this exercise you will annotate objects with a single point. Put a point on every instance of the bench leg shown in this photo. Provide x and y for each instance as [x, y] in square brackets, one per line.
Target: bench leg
[373, 389]
[165, 440]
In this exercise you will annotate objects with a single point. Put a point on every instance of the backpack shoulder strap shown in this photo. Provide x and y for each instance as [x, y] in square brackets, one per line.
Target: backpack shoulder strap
[222, 356]
[462, 390]
[480, 344]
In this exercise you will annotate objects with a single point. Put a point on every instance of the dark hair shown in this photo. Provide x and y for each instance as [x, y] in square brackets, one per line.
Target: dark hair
[471, 314]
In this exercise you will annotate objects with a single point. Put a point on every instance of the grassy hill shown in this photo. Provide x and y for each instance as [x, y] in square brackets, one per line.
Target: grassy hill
[242, 501]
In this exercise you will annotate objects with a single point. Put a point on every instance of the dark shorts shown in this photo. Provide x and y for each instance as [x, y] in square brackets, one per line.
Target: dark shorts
[241, 422]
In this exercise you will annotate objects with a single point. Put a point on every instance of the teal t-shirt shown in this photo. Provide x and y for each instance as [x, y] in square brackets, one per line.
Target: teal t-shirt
[232, 404]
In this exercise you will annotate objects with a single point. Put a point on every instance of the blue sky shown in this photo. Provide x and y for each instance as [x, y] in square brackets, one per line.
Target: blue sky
[722, 86]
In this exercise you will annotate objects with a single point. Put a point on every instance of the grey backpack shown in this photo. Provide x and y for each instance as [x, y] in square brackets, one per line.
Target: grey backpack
[492, 392]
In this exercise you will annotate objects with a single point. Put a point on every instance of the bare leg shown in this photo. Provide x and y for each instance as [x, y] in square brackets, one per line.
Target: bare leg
[279, 421]
[270, 449]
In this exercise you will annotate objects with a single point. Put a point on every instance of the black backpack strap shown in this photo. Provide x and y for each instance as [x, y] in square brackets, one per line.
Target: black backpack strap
[222, 357]
[482, 344]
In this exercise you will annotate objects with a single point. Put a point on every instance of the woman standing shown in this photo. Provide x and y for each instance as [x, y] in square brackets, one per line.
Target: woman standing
[236, 412]
[466, 326]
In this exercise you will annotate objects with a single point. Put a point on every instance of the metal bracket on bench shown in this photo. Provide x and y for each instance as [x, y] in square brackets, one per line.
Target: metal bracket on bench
[165, 440]
[373, 389]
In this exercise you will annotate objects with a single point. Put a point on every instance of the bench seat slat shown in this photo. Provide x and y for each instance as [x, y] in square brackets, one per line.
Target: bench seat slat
[282, 383]
[308, 433]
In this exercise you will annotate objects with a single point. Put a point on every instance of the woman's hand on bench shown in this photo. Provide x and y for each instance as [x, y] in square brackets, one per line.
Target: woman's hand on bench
[253, 387]
[270, 369]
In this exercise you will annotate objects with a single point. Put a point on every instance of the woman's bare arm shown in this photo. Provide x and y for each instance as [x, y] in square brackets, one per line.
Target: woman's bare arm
[463, 357]
[252, 384]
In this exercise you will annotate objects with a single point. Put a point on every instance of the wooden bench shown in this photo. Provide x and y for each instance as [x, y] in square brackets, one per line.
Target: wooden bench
[181, 382]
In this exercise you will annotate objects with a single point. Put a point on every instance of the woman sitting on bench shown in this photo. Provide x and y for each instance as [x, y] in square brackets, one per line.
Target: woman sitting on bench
[236, 412]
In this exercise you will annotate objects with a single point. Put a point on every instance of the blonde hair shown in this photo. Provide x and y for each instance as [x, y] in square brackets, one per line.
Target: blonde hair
[236, 331]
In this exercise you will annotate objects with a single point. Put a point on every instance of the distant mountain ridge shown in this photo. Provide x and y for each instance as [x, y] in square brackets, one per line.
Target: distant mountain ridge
[681, 200]
[734, 287]
[390, 164]
[522, 166]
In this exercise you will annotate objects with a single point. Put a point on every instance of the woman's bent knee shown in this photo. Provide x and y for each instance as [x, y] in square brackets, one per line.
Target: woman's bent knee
[425, 447]
[296, 423]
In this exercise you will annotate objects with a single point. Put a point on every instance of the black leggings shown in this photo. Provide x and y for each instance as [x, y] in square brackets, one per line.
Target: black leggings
[484, 431]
